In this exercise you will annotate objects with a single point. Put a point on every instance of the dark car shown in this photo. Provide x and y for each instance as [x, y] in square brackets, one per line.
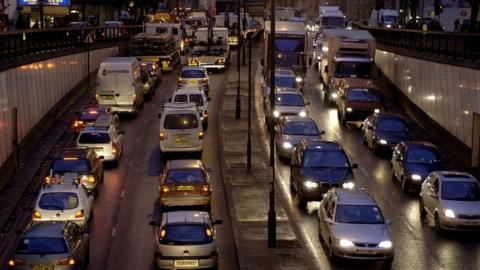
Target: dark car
[52, 245]
[82, 164]
[417, 24]
[381, 132]
[358, 98]
[413, 161]
[87, 116]
[317, 166]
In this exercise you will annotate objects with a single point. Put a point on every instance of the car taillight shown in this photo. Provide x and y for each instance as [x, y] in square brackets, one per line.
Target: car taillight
[209, 233]
[164, 189]
[200, 135]
[88, 178]
[36, 215]
[66, 261]
[15, 262]
[162, 234]
[162, 136]
[80, 213]
[114, 151]
[78, 123]
[48, 181]
[205, 114]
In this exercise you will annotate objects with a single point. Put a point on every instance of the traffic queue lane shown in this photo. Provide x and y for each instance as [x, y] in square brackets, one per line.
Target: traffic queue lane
[121, 237]
[417, 245]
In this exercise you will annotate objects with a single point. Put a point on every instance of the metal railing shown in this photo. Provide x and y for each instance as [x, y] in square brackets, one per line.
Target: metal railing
[465, 46]
[38, 41]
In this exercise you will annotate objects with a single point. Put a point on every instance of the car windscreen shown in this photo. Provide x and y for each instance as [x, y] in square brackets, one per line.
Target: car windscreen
[112, 25]
[422, 156]
[358, 214]
[94, 137]
[180, 121]
[42, 246]
[284, 81]
[288, 60]
[70, 165]
[391, 19]
[354, 69]
[300, 128]
[460, 191]
[58, 201]
[289, 44]
[186, 234]
[197, 74]
[333, 22]
[185, 176]
[391, 125]
[362, 94]
[180, 98]
[289, 100]
[197, 99]
[324, 159]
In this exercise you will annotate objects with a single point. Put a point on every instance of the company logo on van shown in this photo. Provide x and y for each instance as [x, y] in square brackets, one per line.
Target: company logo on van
[115, 71]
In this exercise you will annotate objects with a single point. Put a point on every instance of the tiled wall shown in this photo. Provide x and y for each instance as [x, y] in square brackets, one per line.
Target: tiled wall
[448, 94]
[35, 88]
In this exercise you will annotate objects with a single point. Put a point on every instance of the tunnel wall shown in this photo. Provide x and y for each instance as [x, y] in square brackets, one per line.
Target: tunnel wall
[36, 88]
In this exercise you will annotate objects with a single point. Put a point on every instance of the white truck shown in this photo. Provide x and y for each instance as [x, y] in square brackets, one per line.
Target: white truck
[213, 54]
[331, 17]
[194, 21]
[230, 20]
[173, 29]
[346, 53]
[384, 18]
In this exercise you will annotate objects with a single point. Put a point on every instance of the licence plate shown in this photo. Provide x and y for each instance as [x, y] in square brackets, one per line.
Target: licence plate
[181, 140]
[186, 263]
[185, 188]
[42, 267]
[366, 251]
[106, 97]
[471, 223]
[192, 82]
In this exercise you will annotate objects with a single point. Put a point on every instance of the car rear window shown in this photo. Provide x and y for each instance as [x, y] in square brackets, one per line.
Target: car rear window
[180, 98]
[91, 114]
[94, 137]
[70, 165]
[391, 124]
[42, 246]
[58, 201]
[358, 214]
[289, 100]
[362, 94]
[180, 121]
[301, 128]
[197, 74]
[325, 159]
[186, 234]
[197, 98]
[185, 176]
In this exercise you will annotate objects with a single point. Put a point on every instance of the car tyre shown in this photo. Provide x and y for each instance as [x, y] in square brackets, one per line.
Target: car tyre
[438, 227]
[364, 140]
[302, 203]
[405, 185]
[421, 208]
[292, 187]
[387, 264]
[331, 255]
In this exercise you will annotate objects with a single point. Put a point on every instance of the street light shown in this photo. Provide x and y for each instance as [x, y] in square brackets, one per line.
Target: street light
[237, 100]
[244, 24]
[249, 133]
[272, 222]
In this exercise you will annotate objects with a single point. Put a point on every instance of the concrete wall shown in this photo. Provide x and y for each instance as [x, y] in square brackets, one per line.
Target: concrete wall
[35, 88]
[448, 94]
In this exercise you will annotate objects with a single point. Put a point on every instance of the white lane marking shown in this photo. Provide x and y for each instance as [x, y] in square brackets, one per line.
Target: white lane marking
[122, 194]
[114, 231]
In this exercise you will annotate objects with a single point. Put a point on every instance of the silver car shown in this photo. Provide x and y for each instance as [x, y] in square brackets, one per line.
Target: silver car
[288, 102]
[291, 129]
[352, 226]
[185, 240]
[52, 245]
[452, 200]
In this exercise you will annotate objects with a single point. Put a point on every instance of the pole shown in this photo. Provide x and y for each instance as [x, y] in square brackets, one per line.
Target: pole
[41, 16]
[237, 101]
[249, 134]
[244, 24]
[15, 137]
[88, 66]
[272, 222]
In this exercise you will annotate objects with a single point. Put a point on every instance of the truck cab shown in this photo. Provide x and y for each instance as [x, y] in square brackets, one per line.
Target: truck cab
[214, 54]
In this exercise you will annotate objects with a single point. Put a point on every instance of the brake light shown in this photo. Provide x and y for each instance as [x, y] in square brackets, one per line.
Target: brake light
[200, 135]
[165, 189]
[163, 232]
[209, 232]
[162, 136]
[78, 123]
[80, 214]
[48, 181]
[15, 262]
[114, 151]
[66, 261]
[88, 178]
[205, 188]
[36, 215]
[97, 97]
[205, 114]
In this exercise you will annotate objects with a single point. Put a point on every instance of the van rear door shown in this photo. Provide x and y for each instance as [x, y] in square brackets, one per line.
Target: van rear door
[106, 86]
[125, 93]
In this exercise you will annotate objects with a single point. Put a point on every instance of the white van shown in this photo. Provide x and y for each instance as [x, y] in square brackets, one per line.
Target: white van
[119, 85]
[180, 128]
[195, 95]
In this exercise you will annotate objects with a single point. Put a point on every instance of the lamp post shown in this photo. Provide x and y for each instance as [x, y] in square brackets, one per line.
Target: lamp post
[272, 222]
[249, 133]
[244, 24]
[237, 100]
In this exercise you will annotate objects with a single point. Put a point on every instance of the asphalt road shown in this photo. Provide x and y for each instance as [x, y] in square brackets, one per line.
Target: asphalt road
[417, 245]
[121, 237]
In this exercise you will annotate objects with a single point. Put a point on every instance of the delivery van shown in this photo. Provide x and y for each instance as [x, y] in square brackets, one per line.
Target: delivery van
[119, 85]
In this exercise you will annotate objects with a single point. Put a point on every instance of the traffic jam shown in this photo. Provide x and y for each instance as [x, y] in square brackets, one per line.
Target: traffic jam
[350, 223]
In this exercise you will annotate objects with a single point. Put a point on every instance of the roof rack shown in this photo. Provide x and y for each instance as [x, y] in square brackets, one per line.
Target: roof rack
[104, 120]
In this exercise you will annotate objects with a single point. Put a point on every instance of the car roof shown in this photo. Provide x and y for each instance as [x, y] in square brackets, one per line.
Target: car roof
[456, 176]
[71, 152]
[286, 90]
[284, 72]
[353, 196]
[323, 144]
[193, 68]
[360, 83]
[390, 115]
[61, 187]
[186, 217]
[46, 229]
[183, 106]
[94, 129]
[352, 58]
[185, 164]
[419, 144]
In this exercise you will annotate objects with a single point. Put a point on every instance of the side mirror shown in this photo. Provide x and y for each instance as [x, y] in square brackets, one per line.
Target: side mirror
[121, 132]
[101, 157]
[208, 169]
[326, 69]
[308, 103]
[322, 132]
[262, 62]
[209, 99]
[169, 99]
[154, 223]
[159, 115]
[354, 166]
[329, 221]
[217, 222]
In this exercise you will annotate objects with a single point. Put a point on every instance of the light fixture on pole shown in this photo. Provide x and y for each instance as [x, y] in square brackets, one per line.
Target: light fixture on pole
[237, 100]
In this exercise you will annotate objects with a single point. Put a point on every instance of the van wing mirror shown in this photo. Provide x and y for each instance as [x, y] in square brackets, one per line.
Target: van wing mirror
[209, 99]
[159, 115]
[262, 62]
[326, 69]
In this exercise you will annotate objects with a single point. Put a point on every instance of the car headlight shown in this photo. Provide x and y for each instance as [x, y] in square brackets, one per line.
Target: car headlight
[449, 213]
[302, 114]
[299, 79]
[335, 95]
[310, 184]
[276, 114]
[348, 185]
[416, 177]
[389, 26]
[349, 109]
[382, 141]
[346, 243]
[385, 244]
[376, 111]
[287, 145]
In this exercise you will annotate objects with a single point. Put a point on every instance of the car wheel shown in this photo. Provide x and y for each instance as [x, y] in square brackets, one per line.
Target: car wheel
[331, 254]
[86, 260]
[421, 208]
[208, 207]
[375, 148]
[438, 226]
[387, 264]
[292, 187]
[364, 140]
[302, 203]
[205, 125]
[405, 185]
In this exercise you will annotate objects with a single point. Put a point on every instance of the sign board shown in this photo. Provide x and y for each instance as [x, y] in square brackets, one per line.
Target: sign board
[61, 3]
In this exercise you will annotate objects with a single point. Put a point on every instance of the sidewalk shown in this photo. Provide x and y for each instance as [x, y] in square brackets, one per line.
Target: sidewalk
[248, 194]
